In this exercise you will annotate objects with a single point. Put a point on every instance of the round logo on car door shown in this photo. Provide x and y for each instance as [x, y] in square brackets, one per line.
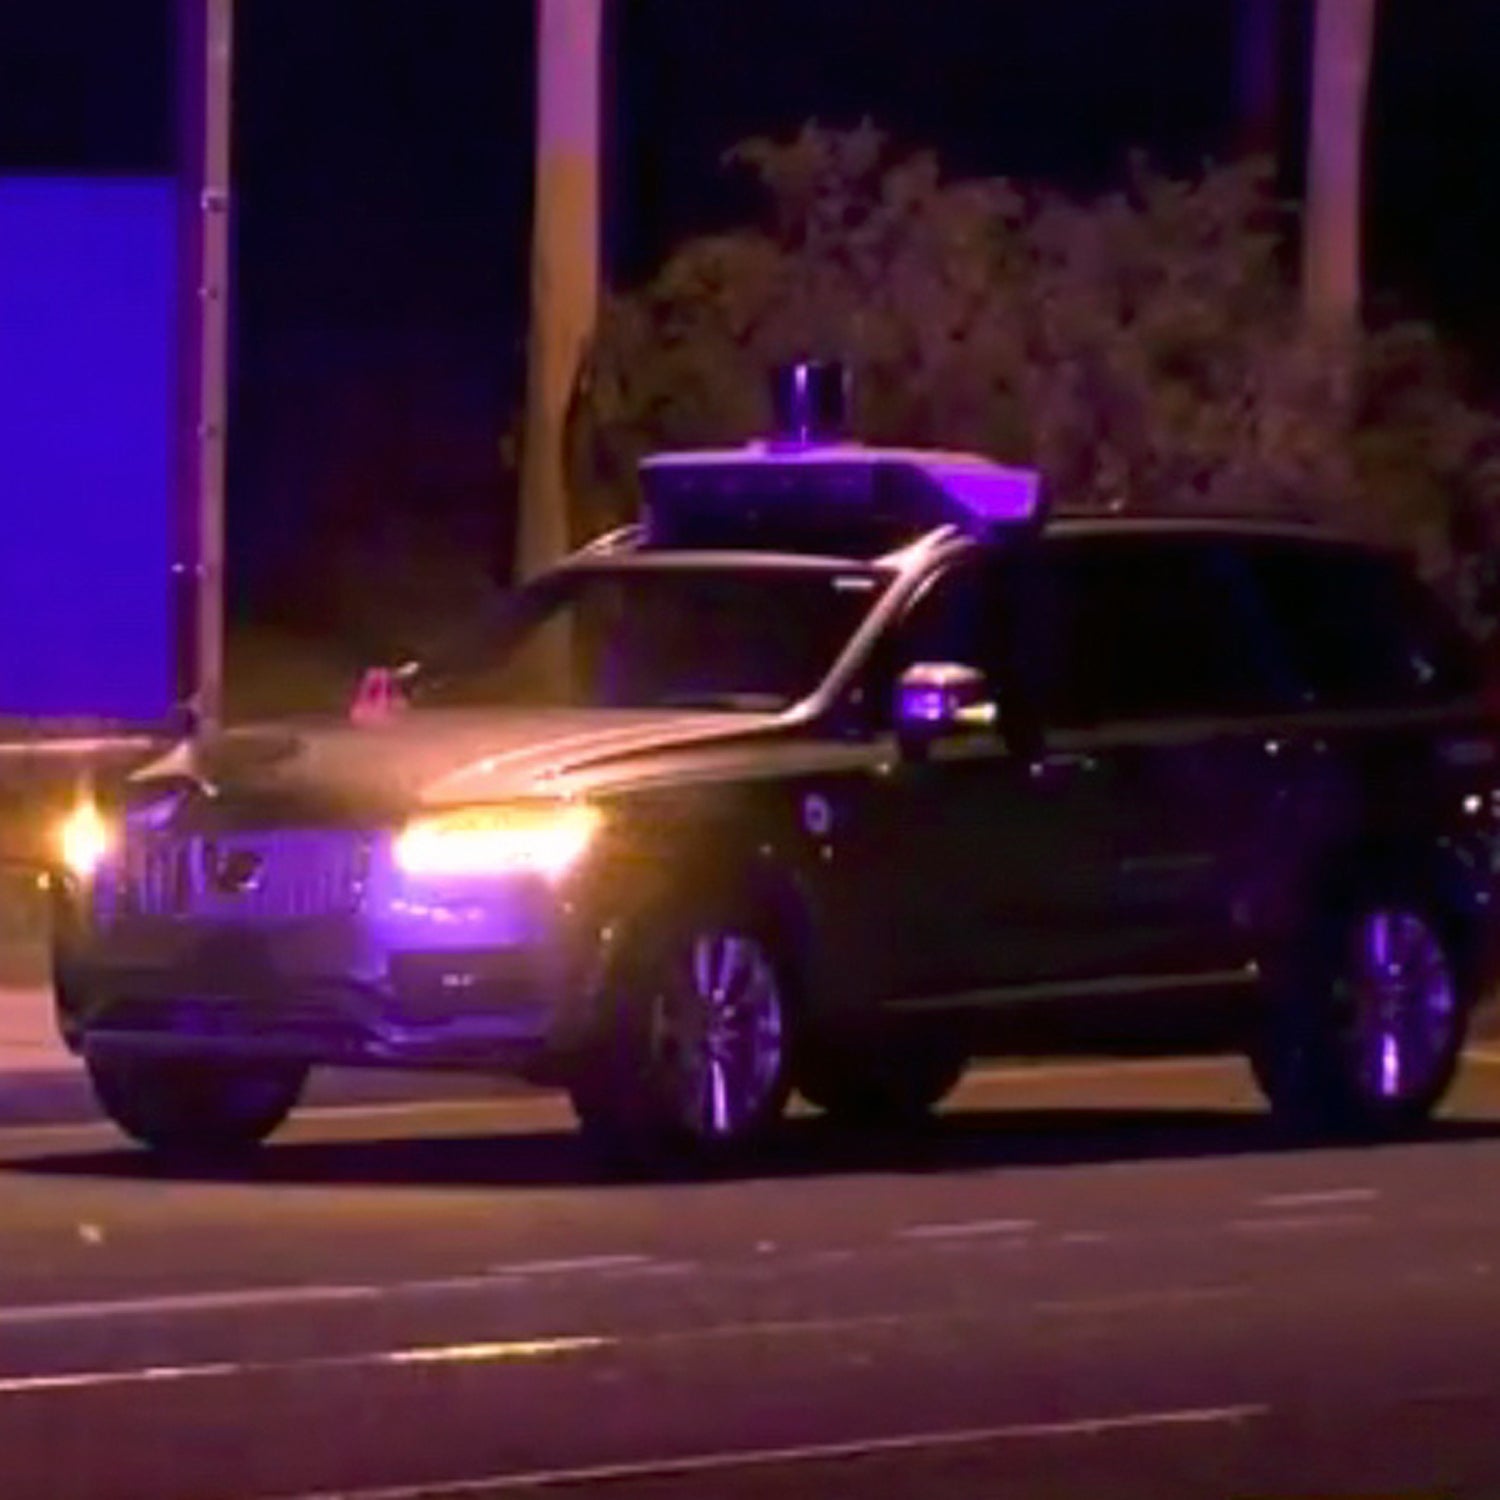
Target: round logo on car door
[817, 815]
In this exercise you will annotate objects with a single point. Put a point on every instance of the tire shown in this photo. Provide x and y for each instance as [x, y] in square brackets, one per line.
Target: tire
[192, 1107]
[1367, 1035]
[692, 1064]
[886, 1085]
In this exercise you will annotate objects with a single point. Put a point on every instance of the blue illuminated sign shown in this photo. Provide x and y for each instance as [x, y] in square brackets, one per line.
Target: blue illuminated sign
[88, 359]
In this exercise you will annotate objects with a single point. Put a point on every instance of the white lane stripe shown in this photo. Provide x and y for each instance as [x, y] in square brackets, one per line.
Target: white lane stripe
[762, 1458]
[566, 1267]
[232, 1300]
[429, 1354]
[1320, 1198]
[240, 1299]
[82, 1380]
[1138, 1301]
[1301, 1223]
[964, 1229]
[657, 1268]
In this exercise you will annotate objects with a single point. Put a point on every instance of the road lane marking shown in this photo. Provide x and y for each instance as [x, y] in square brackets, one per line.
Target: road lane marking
[570, 1266]
[1140, 1301]
[510, 1351]
[241, 1299]
[82, 1380]
[182, 1302]
[1319, 1198]
[966, 1229]
[1301, 1223]
[762, 1458]
[656, 1268]
[488, 1353]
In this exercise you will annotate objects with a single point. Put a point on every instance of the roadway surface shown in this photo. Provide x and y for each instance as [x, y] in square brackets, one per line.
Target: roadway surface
[1084, 1282]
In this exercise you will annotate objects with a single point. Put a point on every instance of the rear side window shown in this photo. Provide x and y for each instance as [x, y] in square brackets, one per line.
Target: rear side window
[1139, 628]
[1360, 630]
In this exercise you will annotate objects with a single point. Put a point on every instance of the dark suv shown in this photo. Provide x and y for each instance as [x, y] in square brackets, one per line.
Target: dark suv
[842, 767]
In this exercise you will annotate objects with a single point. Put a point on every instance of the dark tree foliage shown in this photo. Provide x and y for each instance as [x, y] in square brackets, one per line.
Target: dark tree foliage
[1145, 349]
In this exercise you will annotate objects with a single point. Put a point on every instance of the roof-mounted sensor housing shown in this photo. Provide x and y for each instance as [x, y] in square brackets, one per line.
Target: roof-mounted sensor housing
[810, 490]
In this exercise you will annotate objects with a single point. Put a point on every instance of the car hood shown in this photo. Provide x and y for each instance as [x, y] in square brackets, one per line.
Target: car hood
[439, 757]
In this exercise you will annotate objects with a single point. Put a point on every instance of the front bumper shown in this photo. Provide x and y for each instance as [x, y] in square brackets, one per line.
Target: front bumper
[501, 975]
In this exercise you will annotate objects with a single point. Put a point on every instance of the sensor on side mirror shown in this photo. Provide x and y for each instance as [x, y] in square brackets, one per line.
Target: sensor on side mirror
[938, 700]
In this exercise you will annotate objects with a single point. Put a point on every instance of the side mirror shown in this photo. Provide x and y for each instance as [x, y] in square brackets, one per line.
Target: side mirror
[941, 700]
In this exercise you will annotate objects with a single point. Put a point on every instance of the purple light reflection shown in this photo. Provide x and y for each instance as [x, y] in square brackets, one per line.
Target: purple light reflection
[88, 286]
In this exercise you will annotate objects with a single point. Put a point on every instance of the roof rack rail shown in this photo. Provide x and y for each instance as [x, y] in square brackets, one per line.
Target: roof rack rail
[621, 539]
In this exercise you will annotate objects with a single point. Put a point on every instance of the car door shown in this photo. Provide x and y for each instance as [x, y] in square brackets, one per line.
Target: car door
[978, 867]
[1161, 674]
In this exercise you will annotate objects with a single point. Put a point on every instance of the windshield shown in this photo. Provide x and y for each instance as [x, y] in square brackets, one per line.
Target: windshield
[734, 638]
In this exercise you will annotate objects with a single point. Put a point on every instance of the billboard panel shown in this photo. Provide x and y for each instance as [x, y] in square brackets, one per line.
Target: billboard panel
[88, 422]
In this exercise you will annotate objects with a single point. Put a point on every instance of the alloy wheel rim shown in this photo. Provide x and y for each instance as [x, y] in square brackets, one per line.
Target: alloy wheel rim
[720, 1034]
[1403, 1006]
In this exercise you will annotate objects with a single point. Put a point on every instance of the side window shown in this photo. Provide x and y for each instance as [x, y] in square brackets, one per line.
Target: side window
[951, 619]
[1142, 628]
[947, 619]
[1362, 632]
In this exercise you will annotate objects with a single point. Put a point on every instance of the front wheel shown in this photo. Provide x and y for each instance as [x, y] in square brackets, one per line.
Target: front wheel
[692, 1062]
[184, 1106]
[1369, 1037]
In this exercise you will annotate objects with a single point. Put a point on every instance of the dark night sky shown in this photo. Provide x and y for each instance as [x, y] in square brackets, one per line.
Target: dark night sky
[383, 146]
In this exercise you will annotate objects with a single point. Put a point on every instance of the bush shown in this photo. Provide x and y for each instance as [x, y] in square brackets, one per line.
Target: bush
[1144, 349]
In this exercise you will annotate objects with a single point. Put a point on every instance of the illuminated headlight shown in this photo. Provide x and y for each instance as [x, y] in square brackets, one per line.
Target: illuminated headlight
[543, 840]
[85, 839]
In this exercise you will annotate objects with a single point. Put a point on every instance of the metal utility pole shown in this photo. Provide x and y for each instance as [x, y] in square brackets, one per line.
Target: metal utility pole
[205, 43]
[1332, 256]
[565, 261]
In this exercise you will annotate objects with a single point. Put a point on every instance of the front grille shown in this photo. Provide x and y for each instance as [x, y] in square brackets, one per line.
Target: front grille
[278, 876]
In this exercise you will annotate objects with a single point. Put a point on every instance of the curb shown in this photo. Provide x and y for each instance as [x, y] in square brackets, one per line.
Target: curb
[62, 1096]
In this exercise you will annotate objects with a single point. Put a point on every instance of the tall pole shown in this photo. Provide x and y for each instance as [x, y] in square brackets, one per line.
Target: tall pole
[1332, 260]
[205, 42]
[565, 260]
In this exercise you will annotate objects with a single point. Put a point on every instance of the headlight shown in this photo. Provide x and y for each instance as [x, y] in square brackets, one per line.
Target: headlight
[544, 840]
[85, 839]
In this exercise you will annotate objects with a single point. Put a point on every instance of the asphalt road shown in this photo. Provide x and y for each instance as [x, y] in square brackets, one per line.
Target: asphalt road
[1082, 1283]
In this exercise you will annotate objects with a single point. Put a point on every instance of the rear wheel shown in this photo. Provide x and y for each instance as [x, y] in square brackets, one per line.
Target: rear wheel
[1368, 1039]
[192, 1107]
[887, 1084]
[693, 1060]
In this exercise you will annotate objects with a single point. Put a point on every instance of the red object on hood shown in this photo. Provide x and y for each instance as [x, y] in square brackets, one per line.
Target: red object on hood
[378, 698]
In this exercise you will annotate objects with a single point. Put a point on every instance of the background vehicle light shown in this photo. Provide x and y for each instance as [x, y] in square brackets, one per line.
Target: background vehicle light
[545, 840]
[85, 839]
